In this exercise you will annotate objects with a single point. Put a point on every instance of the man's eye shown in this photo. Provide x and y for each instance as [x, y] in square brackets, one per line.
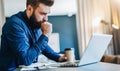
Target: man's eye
[42, 13]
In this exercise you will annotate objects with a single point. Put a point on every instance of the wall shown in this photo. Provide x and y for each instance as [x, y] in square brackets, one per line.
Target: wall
[60, 7]
[91, 12]
[66, 27]
[2, 17]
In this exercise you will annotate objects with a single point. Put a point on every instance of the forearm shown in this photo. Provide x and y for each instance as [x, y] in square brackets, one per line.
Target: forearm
[22, 49]
[48, 52]
[33, 52]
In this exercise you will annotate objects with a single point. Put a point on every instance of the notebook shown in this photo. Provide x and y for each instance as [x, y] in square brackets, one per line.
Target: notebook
[94, 51]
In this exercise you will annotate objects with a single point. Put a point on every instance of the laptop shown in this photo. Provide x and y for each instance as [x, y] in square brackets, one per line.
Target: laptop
[94, 51]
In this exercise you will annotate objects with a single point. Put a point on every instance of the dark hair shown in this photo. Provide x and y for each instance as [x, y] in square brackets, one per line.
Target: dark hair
[35, 3]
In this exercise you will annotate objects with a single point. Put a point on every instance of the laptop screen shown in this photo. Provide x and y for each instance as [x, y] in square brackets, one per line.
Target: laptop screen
[95, 49]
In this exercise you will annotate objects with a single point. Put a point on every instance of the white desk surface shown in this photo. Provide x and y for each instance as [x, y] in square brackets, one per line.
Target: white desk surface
[93, 67]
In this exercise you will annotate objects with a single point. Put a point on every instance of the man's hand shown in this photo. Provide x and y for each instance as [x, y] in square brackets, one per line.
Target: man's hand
[46, 28]
[63, 58]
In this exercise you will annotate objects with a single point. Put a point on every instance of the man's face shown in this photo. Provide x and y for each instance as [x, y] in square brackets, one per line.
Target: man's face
[39, 15]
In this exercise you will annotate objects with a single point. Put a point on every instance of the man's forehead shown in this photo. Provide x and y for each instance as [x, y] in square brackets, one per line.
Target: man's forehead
[44, 8]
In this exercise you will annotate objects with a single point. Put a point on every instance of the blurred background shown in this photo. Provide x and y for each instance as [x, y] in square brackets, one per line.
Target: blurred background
[74, 22]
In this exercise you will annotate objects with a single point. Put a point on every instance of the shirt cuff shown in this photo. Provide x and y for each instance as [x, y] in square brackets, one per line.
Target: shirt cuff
[57, 58]
[43, 37]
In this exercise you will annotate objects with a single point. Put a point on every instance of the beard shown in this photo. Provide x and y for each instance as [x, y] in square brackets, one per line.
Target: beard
[34, 23]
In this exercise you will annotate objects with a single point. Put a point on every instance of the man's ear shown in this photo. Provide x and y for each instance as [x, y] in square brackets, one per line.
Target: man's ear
[29, 9]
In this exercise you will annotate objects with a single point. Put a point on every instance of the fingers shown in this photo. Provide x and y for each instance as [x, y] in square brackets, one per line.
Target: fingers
[46, 28]
[63, 58]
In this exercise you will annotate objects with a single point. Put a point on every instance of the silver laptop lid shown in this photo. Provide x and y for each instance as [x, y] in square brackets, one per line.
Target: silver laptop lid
[95, 49]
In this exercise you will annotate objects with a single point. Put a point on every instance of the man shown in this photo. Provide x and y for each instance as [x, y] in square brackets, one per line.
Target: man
[25, 36]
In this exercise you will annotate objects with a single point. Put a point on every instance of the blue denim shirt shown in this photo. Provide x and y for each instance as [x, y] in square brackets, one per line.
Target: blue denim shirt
[21, 45]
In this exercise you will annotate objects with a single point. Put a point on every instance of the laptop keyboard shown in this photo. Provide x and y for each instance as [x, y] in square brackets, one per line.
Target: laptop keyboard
[69, 65]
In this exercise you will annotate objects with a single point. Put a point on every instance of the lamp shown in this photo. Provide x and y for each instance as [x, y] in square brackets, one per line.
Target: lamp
[103, 21]
[115, 26]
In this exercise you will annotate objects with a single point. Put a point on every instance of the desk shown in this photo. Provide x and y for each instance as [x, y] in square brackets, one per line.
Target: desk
[93, 67]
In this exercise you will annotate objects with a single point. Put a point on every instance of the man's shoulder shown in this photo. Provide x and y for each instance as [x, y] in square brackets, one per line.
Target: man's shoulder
[16, 18]
[16, 23]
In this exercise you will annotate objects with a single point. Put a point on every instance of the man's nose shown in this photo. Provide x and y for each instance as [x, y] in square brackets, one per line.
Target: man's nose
[45, 18]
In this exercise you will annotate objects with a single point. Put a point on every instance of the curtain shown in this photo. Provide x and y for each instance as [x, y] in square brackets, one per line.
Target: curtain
[115, 13]
[89, 11]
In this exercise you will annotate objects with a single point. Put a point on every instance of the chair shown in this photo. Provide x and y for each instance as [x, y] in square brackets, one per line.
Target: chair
[118, 59]
[110, 59]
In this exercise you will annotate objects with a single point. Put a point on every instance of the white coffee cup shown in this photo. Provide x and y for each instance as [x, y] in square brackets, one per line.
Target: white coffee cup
[69, 53]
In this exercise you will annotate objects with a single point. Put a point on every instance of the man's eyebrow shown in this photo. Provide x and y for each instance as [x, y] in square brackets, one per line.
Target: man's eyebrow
[44, 13]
